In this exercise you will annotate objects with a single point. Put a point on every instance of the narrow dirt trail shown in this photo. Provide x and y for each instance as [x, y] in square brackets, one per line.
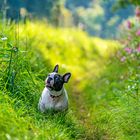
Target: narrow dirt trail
[81, 107]
[82, 113]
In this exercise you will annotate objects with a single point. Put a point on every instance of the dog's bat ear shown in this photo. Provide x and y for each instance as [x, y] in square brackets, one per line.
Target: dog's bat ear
[56, 68]
[66, 77]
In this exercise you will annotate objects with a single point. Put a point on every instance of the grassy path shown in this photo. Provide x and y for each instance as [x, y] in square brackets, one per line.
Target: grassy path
[103, 103]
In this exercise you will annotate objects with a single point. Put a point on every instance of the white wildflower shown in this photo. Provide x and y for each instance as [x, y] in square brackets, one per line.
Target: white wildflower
[4, 38]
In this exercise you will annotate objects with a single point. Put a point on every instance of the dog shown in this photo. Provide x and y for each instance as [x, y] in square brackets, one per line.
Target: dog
[54, 96]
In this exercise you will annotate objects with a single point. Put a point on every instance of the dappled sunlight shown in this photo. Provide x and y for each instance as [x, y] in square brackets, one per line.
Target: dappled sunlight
[70, 48]
[106, 47]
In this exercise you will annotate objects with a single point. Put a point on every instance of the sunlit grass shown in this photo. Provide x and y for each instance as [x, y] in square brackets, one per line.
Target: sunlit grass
[99, 106]
[67, 46]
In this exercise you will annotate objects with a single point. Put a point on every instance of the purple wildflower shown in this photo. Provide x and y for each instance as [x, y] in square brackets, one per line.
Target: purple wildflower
[137, 11]
[128, 50]
[138, 33]
[138, 49]
[123, 59]
[129, 24]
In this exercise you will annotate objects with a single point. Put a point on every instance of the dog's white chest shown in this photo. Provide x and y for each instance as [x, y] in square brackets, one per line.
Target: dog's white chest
[46, 102]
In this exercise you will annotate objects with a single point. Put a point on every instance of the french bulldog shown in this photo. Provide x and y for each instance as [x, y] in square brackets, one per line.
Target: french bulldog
[54, 96]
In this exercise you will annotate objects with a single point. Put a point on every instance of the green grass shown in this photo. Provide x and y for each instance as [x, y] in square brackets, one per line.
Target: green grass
[30, 124]
[100, 107]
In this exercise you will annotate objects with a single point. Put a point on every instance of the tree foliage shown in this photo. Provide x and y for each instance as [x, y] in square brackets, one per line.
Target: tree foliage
[95, 17]
[125, 3]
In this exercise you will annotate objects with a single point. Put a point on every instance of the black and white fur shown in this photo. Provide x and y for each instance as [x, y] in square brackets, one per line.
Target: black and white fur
[54, 96]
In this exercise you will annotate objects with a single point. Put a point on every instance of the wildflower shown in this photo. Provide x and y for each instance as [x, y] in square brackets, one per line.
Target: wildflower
[123, 59]
[128, 50]
[138, 49]
[137, 11]
[129, 24]
[4, 38]
[138, 33]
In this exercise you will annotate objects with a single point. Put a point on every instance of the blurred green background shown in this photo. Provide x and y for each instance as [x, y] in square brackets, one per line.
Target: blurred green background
[97, 17]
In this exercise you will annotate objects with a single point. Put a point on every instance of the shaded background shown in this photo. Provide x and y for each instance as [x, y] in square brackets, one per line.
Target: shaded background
[98, 17]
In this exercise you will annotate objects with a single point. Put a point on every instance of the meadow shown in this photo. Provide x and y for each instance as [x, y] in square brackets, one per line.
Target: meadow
[103, 91]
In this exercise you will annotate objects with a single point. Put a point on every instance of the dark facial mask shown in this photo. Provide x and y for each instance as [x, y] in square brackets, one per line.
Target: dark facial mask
[58, 82]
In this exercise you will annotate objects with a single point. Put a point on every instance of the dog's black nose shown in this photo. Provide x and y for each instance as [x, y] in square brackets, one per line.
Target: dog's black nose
[49, 79]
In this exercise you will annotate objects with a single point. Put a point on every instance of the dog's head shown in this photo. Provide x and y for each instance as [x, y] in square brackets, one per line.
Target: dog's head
[54, 81]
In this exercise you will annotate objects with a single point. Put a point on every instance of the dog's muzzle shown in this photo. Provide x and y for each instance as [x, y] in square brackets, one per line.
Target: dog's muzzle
[49, 86]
